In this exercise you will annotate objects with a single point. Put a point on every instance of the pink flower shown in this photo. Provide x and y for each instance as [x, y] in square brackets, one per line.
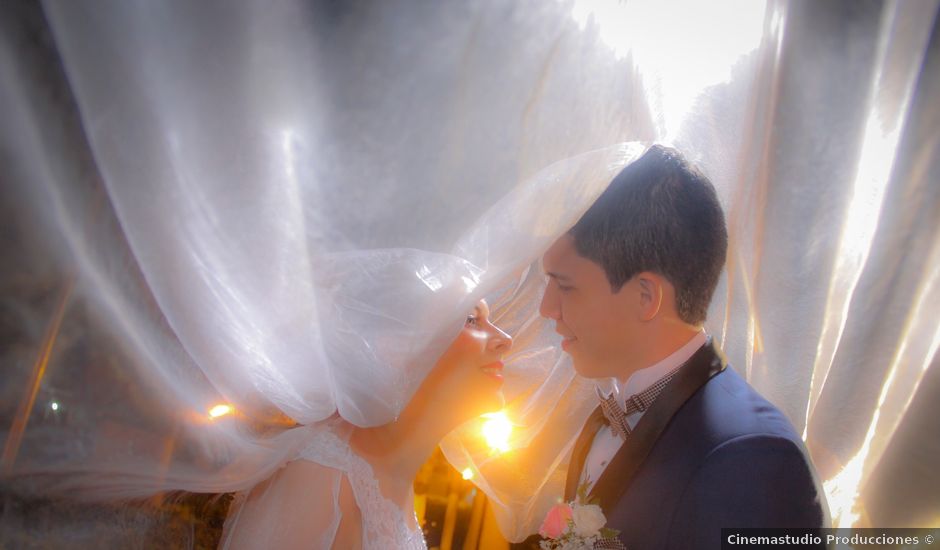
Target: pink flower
[556, 521]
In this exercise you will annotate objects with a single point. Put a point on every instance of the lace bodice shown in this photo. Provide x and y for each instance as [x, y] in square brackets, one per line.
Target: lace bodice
[384, 524]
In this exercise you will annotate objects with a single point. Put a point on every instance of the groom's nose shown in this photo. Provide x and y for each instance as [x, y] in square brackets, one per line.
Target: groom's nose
[550, 307]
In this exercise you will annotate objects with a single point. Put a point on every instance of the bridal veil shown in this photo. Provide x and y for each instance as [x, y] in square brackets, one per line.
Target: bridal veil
[246, 215]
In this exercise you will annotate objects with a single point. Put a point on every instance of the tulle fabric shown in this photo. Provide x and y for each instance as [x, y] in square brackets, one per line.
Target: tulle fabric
[289, 207]
[231, 261]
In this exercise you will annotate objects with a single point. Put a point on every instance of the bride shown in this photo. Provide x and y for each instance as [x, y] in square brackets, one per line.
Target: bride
[366, 353]
[352, 487]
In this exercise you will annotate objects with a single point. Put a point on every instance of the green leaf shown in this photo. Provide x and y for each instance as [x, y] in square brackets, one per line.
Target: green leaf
[582, 490]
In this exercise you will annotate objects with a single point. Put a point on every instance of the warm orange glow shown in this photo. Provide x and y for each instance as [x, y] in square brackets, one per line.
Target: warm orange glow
[467, 473]
[496, 430]
[220, 410]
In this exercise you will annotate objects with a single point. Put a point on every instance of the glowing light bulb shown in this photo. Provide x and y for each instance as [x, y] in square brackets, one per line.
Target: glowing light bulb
[220, 410]
[54, 406]
[467, 473]
[496, 430]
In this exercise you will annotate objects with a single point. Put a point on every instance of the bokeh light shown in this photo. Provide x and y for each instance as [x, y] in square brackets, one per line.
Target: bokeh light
[220, 410]
[496, 430]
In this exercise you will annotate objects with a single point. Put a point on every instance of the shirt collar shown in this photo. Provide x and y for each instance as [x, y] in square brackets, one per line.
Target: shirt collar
[644, 378]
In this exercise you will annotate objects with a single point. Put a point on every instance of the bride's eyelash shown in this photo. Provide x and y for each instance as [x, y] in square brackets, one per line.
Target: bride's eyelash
[471, 320]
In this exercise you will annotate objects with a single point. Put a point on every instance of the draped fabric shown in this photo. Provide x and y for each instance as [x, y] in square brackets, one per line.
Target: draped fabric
[288, 207]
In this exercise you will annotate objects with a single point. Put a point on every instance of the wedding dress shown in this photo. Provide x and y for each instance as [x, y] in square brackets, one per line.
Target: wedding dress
[331, 461]
[384, 524]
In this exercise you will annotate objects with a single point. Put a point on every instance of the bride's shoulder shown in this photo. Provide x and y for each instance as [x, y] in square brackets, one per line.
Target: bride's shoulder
[328, 444]
[304, 494]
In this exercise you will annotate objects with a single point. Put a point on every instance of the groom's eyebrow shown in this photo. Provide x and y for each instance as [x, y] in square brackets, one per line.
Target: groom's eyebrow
[558, 276]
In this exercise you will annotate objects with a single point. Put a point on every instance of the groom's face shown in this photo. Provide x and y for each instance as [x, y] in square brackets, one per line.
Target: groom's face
[598, 326]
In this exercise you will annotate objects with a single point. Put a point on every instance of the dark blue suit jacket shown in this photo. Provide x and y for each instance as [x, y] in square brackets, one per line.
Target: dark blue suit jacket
[727, 458]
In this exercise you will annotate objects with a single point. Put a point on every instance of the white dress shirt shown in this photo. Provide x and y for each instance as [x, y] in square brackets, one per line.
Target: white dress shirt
[606, 443]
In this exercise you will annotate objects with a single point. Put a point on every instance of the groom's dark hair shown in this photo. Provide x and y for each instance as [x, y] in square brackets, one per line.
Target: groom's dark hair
[659, 214]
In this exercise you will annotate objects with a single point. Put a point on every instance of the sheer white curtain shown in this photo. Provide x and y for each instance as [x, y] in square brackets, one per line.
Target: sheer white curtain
[288, 207]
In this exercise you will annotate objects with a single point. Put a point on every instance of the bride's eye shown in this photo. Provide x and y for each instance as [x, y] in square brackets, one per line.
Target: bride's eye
[471, 321]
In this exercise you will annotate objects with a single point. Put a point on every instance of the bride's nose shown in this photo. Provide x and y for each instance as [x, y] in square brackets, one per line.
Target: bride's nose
[499, 341]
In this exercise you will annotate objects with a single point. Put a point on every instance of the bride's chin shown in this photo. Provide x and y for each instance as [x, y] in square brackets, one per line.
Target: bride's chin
[494, 402]
[479, 403]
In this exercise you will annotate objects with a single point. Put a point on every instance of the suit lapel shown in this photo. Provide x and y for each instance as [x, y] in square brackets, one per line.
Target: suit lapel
[704, 364]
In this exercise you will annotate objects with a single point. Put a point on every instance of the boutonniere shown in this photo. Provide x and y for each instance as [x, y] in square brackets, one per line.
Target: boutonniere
[578, 525]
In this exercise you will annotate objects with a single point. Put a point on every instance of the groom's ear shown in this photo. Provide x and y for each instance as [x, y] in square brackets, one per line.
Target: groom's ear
[649, 288]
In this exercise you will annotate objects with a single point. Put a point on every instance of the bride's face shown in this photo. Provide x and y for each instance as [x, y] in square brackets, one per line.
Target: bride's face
[473, 361]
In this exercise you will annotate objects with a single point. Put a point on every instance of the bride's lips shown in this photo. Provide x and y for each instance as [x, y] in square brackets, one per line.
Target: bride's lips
[567, 342]
[493, 370]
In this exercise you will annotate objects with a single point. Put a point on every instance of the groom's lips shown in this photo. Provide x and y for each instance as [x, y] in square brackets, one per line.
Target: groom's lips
[493, 370]
[567, 342]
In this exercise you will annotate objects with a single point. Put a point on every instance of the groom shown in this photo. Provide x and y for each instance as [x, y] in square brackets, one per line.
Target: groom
[679, 445]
